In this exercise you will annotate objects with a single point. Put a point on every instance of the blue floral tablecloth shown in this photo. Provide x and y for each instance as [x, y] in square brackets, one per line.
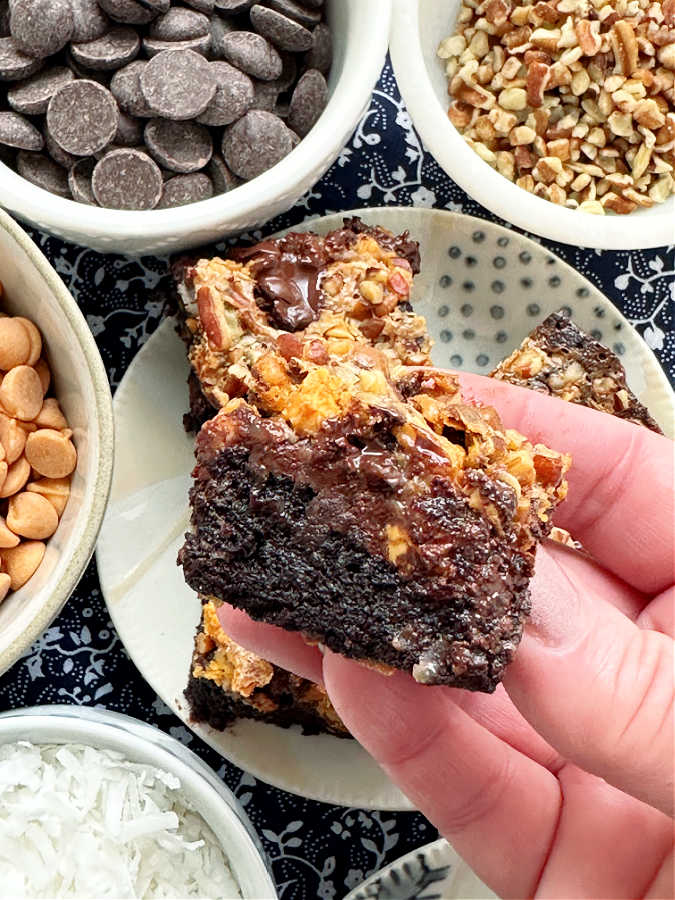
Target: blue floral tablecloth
[317, 851]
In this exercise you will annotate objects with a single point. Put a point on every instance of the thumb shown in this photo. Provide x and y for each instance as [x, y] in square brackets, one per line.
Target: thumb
[594, 685]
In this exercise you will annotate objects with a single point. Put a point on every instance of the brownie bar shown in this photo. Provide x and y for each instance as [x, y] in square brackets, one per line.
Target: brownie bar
[559, 359]
[227, 682]
[310, 296]
[367, 505]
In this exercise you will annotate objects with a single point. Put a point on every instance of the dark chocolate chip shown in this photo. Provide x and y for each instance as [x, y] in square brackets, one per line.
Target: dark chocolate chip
[15, 131]
[308, 102]
[252, 54]
[200, 45]
[289, 72]
[219, 28]
[130, 12]
[312, 4]
[284, 33]
[79, 181]
[127, 179]
[126, 89]
[233, 98]
[179, 24]
[205, 6]
[295, 139]
[255, 143]
[41, 27]
[266, 94]
[80, 71]
[178, 84]
[129, 131]
[112, 51]
[43, 172]
[320, 55]
[89, 20]
[58, 154]
[184, 189]
[14, 64]
[223, 180]
[33, 95]
[178, 146]
[233, 7]
[307, 17]
[82, 117]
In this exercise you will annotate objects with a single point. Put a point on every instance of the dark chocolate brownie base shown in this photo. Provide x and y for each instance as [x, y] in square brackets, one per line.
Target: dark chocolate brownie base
[209, 703]
[270, 546]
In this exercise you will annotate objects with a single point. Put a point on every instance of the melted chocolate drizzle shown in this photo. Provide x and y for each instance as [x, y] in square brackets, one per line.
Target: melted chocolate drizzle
[287, 275]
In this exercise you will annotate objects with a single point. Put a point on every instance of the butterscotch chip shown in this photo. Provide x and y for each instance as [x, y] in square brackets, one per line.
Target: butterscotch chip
[7, 538]
[14, 343]
[56, 490]
[12, 438]
[17, 475]
[21, 392]
[44, 374]
[32, 516]
[51, 453]
[50, 416]
[5, 584]
[22, 562]
[34, 338]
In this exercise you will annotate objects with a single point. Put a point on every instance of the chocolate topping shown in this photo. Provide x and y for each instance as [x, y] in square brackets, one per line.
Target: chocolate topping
[287, 274]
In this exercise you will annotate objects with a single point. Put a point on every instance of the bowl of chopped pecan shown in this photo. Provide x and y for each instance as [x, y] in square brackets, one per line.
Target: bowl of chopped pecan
[557, 115]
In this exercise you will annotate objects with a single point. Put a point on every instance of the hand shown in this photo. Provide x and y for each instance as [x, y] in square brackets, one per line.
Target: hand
[561, 783]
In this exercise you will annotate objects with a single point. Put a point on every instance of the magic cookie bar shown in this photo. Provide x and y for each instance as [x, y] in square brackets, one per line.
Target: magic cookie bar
[305, 295]
[558, 358]
[228, 682]
[366, 504]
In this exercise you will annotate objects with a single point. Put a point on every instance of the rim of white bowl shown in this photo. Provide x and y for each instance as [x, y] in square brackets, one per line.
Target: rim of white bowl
[89, 726]
[487, 186]
[364, 56]
[103, 435]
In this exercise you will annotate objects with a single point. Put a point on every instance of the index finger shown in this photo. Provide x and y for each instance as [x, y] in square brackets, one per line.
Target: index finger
[620, 500]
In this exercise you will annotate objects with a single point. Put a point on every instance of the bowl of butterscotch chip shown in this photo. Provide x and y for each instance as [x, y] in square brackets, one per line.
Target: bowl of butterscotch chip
[56, 439]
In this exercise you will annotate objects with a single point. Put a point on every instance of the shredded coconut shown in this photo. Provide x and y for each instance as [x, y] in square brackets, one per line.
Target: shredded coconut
[81, 822]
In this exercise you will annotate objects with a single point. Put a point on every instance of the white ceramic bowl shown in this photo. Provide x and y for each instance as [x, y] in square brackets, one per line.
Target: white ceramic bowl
[33, 289]
[142, 743]
[360, 34]
[418, 28]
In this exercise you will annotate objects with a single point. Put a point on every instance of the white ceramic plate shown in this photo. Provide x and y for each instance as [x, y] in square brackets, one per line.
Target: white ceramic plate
[434, 872]
[417, 30]
[471, 290]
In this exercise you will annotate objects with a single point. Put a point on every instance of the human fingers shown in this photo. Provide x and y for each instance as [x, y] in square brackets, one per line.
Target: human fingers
[596, 686]
[659, 614]
[620, 503]
[287, 649]
[497, 807]
[607, 844]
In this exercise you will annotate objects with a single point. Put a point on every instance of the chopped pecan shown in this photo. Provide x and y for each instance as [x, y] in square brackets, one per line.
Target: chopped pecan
[625, 46]
[538, 77]
[588, 35]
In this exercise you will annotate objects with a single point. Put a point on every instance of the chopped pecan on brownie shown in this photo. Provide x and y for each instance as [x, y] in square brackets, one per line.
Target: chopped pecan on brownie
[227, 682]
[304, 295]
[558, 358]
[366, 504]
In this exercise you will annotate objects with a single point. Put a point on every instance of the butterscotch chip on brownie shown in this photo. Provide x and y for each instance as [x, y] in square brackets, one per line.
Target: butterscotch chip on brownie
[560, 359]
[369, 506]
[228, 682]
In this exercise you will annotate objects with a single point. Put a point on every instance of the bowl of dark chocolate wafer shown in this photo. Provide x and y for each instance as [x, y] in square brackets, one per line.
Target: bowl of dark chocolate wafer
[144, 126]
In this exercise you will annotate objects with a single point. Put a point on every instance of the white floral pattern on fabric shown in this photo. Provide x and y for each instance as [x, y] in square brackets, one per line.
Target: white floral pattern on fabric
[317, 851]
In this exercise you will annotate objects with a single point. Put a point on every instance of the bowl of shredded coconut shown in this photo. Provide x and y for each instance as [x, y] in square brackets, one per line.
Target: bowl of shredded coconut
[97, 804]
